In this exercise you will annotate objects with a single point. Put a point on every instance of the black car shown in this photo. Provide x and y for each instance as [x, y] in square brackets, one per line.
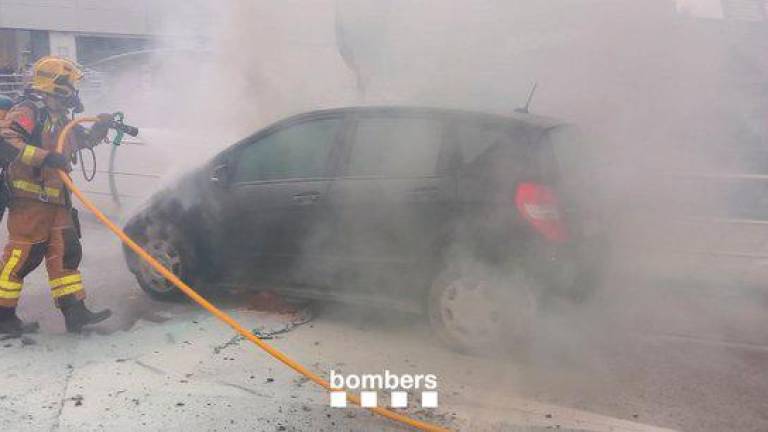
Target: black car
[467, 216]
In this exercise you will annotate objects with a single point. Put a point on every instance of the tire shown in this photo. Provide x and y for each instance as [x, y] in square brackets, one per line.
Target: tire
[478, 309]
[169, 247]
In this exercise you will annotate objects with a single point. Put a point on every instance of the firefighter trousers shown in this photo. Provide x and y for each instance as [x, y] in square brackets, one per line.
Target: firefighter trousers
[38, 230]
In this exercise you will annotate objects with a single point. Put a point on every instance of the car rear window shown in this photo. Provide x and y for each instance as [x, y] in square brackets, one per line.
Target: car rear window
[499, 150]
[395, 147]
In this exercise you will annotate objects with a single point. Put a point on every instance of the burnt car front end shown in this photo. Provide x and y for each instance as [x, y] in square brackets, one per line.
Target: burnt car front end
[183, 216]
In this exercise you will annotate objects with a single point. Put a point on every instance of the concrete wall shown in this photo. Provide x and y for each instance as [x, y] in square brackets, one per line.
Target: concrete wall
[7, 49]
[63, 44]
[100, 16]
[133, 17]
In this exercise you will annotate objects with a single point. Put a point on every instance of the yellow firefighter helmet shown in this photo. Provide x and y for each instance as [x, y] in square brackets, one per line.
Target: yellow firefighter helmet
[56, 76]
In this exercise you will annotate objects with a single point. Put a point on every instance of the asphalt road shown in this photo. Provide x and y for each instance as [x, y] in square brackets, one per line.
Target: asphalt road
[689, 358]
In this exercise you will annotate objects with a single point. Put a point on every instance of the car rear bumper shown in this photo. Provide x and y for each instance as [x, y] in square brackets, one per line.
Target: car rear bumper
[562, 268]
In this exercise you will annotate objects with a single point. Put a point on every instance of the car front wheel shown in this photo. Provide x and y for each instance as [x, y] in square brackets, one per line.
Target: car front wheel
[172, 251]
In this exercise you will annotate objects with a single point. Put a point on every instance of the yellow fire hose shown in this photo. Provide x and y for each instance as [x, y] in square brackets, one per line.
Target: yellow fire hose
[218, 313]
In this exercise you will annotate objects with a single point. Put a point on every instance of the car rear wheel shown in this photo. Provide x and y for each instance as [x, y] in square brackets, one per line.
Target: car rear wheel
[170, 248]
[476, 308]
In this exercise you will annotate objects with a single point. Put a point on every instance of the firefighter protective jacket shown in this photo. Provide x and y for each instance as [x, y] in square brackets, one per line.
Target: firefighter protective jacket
[33, 130]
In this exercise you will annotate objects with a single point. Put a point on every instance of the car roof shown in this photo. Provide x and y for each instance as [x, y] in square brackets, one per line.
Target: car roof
[531, 120]
[516, 119]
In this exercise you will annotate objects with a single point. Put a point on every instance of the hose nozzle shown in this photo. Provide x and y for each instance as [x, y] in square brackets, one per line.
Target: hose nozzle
[122, 128]
[126, 129]
[119, 125]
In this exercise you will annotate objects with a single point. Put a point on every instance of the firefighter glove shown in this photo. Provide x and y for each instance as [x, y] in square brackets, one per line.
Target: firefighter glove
[99, 130]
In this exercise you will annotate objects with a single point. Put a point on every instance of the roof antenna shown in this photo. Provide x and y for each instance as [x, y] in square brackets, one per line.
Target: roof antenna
[525, 109]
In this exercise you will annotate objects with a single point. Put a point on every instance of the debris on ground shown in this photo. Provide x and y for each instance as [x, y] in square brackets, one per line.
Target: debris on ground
[433, 416]
[300, 380]
[287, 322]
[234, 341]
[298, 318]
[77, 399]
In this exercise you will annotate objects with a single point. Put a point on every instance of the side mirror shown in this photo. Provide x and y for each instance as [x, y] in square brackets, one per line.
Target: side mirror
[220, 175]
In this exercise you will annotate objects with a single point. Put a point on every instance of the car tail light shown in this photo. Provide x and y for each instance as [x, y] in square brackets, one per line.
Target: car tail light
[539, 206]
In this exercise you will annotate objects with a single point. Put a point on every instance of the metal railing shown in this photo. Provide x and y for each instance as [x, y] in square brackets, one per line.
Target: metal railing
[13, 84]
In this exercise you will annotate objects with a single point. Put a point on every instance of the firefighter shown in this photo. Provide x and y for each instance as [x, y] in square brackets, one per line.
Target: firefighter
[41, 221]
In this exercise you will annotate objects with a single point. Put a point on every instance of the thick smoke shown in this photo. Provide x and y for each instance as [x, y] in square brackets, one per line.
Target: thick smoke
[664, 101]
[633, 72]
[656, 93]
[659, 95]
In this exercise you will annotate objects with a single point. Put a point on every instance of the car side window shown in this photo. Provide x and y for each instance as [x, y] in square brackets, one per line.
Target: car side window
[299, 151]
[395, 147]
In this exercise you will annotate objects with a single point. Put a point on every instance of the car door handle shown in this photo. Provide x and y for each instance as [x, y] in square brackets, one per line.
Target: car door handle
[305, 198]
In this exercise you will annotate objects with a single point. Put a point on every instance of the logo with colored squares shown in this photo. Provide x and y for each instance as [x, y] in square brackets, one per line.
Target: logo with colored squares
[385, 389]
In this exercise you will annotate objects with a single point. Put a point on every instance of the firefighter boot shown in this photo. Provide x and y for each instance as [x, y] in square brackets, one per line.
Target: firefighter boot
[11, 325]
[76, 315]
